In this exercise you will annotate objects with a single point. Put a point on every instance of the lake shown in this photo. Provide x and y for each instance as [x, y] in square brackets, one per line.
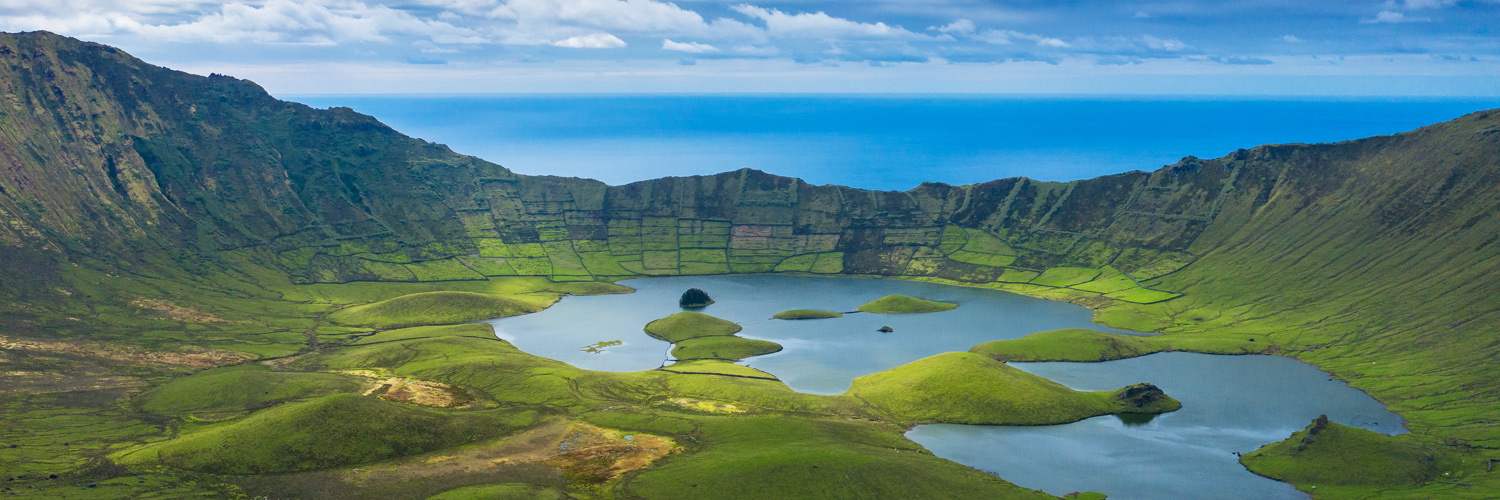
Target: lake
[1230, 403]
[877, 141]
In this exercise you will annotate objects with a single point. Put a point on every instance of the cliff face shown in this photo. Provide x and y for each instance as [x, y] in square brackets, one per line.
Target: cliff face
[1381, 249]
[109, 156]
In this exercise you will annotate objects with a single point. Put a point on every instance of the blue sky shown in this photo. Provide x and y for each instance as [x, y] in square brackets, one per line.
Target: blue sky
[1172, 47]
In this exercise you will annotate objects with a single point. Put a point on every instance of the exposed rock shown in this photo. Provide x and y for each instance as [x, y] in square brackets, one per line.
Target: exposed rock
[1141, 395]
[885, 329]
[694, 297]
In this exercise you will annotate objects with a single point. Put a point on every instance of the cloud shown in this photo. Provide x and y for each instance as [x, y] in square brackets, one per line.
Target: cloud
[821, 25]
[1167, 44]
[1291, 39]
[1142, 15]
[1006, 37]
[1253, 61]
[689, 47]
[1428, 4]
[591, 41]
[959, 27]
[1393, 17]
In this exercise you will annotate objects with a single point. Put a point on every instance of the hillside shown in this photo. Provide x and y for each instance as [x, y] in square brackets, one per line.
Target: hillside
[146, 208]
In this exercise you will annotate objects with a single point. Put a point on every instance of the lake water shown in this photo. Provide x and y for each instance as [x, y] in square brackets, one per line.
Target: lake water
[877, 142]
[1230, 403]
[819, 356]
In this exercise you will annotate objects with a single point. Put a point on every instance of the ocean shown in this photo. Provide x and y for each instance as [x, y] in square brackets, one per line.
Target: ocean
[877, 141]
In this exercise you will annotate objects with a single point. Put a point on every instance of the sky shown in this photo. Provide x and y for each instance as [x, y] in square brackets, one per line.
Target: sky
[1416, 48]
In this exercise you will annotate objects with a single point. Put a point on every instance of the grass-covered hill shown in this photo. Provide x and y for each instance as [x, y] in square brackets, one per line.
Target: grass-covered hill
[155, 223]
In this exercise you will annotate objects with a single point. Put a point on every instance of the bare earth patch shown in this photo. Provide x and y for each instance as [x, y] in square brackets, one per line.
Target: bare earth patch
[581, 451]
[177, 312]
[418, 392]
[197, 358]
[707, 406]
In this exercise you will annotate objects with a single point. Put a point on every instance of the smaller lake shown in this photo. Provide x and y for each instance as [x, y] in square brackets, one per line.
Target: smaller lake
[1230, 403]
[820, 356]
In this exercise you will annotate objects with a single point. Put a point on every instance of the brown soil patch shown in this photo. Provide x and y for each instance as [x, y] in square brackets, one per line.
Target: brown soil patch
[200, 358]
[419, 392]
[583, 452]
[177, 312]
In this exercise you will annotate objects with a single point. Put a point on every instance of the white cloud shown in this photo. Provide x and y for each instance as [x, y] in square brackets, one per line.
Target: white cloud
[1006, 37]
[689, 47]
[1142, 15]
[591, 41]
[1429, 4]
[959, 27]
[1167, 44]
[1393, 17]
[821, 25]
[1291, 39]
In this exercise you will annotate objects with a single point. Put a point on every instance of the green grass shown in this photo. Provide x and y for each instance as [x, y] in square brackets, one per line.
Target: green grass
[331, 431]
[238, 389]
[433, 308]
[807, 314]
[761, 457]
[1077, 344]
[719, 367]
[501, 492]
[690, 324]
[1073, 344]
[1066, 276]
[901, 304]
[967, 388]
[1339, 461]
[730, 347]
[983, 259]
[1013, 275]
[474, 330]
[1109, 280]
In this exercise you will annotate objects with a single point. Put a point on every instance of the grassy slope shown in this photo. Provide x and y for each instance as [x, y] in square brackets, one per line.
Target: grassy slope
[807, 314]
[238, 389]
[901, 304]
[326, 432]
[1348, 462]
[433, 308]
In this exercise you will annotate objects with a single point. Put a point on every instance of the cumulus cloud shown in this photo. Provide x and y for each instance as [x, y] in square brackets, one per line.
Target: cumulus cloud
[689, 47]
[1006, 37]
[591, 41]
[1291, 39]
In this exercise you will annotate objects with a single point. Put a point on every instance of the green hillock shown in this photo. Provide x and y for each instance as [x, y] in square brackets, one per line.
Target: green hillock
[901, 304]
[238, 389]
[729, 347]
[967, 388]
[807, 314]
[331, 431]
[433, 308]
[690, 324]
[1332, 460]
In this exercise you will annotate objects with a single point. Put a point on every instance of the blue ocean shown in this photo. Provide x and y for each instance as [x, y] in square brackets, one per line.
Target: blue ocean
[877, 142]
